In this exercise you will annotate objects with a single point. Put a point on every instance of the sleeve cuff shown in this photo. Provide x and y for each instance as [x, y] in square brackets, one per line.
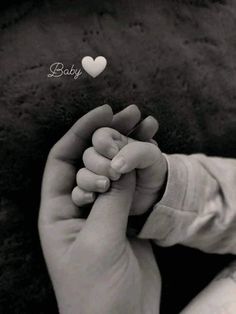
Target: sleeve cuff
[169, 221]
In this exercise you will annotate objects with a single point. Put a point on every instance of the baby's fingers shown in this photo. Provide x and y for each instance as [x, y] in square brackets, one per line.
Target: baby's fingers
[145, 130]
[108, 142]
[136, 155]
[91, 182]
[99, 164]
[81, 197]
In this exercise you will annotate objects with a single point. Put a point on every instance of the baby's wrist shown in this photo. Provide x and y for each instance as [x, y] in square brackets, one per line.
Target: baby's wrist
[162, 170]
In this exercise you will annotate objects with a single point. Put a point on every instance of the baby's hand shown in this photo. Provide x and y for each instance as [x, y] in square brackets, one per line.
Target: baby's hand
[114, 154]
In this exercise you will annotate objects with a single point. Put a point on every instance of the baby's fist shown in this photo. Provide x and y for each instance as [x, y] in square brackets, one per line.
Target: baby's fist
[114, 154]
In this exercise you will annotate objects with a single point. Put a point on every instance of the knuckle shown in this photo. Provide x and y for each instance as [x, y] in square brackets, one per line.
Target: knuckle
[151, 148]
[145, 146]
[102, 131]
[134, 147]
[100, 136]
[102, 167]
[94, 162]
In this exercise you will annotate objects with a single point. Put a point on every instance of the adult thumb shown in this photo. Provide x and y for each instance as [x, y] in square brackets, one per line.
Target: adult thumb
[109, 215]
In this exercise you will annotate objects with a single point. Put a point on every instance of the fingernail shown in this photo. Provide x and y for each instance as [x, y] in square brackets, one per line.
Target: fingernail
[102, 184]
[114, 175]
[154, 120]
[118, 164]
[150, 118]
[89, 196]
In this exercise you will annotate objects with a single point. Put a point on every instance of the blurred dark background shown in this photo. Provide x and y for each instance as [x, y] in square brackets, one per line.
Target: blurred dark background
[175, 59]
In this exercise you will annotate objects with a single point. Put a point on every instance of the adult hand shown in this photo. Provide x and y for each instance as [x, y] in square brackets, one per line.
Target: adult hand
[93, 266]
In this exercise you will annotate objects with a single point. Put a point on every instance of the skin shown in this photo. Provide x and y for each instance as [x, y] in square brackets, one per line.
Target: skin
[94, 268]
[113, 155]
[218, 298]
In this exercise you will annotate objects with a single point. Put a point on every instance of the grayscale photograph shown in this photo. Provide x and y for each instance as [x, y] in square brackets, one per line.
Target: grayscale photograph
[118, 157]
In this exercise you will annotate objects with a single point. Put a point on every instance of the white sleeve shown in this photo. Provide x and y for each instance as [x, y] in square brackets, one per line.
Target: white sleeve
[198, 208]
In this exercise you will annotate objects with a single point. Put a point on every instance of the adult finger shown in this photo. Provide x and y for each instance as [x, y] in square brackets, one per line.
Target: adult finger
[125, 120]
[151, 274]
[109, 214]
[145, 130]
[60, 170]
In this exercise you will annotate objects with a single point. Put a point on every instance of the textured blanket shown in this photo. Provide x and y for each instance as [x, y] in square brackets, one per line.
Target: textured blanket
[175, 59]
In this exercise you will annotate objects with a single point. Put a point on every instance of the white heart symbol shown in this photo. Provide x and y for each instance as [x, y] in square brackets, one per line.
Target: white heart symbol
[94, 67]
